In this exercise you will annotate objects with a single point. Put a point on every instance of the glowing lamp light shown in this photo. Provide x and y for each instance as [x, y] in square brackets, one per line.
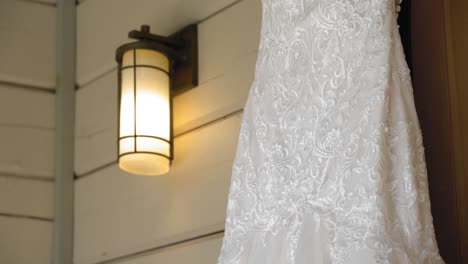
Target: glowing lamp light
[150, 72]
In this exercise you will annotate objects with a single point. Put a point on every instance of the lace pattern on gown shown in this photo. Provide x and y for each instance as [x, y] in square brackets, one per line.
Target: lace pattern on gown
[330, 162]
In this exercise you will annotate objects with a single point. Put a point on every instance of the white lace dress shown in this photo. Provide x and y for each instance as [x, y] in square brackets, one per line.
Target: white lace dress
[330, 163]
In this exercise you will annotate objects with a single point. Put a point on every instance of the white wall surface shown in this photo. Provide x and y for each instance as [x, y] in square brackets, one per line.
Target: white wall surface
[26, 197]
[27, 81]
[24, 241]
[118, 214]
[27, 48]
[26, 131]
[201, 251]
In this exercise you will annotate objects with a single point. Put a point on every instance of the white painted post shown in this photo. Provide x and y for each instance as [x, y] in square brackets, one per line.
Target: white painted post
[62, 249]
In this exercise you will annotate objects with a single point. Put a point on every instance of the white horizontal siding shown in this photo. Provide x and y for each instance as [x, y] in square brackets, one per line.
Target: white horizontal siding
[100, 32]
[117, 213]
[26, 108]
[24, 241]
[51, 2]
[27, 48]
[27, 51]
[26, 151]
[96, 124]
[227, 37]
[217, 97]
[26, 132]
[205, 251]
[44, 1]
[26, 197]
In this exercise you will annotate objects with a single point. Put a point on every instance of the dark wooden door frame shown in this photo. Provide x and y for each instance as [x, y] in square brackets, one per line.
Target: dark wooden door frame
[422, 28]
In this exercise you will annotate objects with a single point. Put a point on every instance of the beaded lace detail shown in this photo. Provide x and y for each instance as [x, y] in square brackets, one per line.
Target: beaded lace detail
[398, 6]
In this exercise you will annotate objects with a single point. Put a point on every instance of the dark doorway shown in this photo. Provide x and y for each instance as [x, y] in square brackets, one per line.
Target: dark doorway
[423, 31]
[404, 20]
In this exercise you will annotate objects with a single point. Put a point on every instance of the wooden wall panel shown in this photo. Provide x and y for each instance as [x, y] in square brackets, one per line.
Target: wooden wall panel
[199, 252]
[96, 124]
[27, 83]
[227, 37]
[217, 97]
[26, 108]
[26, 197]
[49, 2]
[26, 132]
[26, 151]
[118, 213]
[24, 241]
[27, 48]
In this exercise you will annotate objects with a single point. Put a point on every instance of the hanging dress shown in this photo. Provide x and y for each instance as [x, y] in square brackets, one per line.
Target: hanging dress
[330, 162]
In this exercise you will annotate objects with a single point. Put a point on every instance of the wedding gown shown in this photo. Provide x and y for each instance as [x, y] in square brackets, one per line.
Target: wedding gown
[330, 163]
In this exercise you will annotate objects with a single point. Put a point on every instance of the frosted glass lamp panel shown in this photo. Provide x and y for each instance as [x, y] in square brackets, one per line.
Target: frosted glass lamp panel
[146, 123]
[127, 111]
[153, 103]
[145, 164]
[153, 58]
[147, 144]
[127, 58]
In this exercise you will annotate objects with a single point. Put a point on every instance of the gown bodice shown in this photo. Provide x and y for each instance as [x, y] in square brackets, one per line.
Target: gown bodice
[298, 32]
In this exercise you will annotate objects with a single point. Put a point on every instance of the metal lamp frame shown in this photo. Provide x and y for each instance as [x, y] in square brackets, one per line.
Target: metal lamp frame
[181, 49]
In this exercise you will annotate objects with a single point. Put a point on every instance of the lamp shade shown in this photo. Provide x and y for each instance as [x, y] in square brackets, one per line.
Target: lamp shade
[145, 110]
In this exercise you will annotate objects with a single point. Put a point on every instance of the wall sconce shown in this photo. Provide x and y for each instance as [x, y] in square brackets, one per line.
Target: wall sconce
[150, 72]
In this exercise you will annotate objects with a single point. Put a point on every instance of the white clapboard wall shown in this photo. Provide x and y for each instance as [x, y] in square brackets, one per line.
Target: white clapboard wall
[27, 87]
[130, 218]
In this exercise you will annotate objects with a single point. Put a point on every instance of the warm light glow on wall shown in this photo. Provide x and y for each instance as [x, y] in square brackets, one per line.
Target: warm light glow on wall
[145, 113]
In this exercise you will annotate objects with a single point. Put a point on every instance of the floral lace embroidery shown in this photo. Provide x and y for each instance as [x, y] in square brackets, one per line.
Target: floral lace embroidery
[329, 148]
